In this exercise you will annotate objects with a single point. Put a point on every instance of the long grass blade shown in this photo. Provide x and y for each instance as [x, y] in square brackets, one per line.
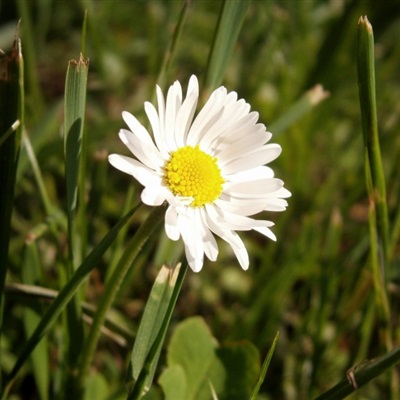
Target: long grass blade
[67, 293]
[74, 116]
[264, 368]
[361, 375]
[229, 25]
[367, 95]
[11, 121]
[126, 262]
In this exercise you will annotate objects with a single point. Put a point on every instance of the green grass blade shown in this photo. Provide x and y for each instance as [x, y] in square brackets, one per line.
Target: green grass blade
[31, 272]
[154, 314]
[67, 293]
[229, 25]
[300, 108]
[126, 262]
[170, 53]
[264, 368]
[11, 116]
[151, 359]
[74, 116]
[361, 375]
[367, 96]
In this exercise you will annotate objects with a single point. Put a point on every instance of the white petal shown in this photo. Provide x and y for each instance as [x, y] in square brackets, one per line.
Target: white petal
[146, 153]
[171, 224]
[245, 145]
[262, 172]
[174, 101]
[137, 128]
[266, 232]
[152, 115]
[153, 195]
[207, 116]
[135, 168]
[253, 188]
[258, 157]
[186, 112]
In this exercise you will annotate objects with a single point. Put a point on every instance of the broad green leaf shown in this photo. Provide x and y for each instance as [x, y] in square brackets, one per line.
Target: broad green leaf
[173, 382]
[96, 387]
[192, 347]
[233, 373]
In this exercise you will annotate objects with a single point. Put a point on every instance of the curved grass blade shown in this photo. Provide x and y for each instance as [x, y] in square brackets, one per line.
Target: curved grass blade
[67, 293]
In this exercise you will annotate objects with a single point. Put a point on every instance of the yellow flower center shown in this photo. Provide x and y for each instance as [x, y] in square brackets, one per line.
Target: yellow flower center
[192, 173]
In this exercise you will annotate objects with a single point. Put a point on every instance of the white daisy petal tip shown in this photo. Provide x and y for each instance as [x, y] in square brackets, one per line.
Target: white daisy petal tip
[226, 140]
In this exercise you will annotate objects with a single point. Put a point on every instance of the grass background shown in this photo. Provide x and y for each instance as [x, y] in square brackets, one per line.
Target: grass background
[314, 285]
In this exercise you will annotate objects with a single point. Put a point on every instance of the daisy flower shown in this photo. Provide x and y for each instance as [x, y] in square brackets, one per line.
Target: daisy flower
[210, 169]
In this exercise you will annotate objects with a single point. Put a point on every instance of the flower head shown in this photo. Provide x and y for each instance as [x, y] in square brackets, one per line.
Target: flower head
[210, 169]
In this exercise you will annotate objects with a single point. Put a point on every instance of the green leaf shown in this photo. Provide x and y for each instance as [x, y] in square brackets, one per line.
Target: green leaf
[193, 348]
[234, 371]
[96, 387]
[229, 25]
[173, 382]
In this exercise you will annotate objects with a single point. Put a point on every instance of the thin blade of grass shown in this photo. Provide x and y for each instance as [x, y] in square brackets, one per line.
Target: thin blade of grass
[126, 262]
[367, 96]
[74, 116]
[264, 368]
[300, 108]
[228, 28]
[361, 375]
[67, 293]
[31, 271]
[11, 116]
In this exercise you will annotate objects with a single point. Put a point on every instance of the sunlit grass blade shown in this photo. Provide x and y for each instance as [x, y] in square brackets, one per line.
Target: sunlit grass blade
[264, 368]
[11, 121]
[367, 96]
[361, 375]
[148, 356]
[74, 117]
[67, 293]
[229, 25]
[113, 284]
[301, 107]
[153, 316]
